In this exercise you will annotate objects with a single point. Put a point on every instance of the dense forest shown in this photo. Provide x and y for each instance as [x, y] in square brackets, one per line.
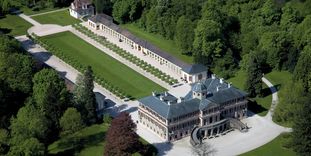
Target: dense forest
[35, 106]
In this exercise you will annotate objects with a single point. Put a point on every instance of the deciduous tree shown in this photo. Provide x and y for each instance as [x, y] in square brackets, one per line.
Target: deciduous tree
[84, 96]
[121, 138]
[71, 121]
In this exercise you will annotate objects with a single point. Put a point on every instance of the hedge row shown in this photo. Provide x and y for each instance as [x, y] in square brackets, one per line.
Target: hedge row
[130, 57]
[77, 65]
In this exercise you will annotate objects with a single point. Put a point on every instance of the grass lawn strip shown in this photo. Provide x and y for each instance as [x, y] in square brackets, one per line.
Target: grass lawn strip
[14, 25]
[103, 65]
[275, 147]
[168, 46]
[60, 17]
[263, 103]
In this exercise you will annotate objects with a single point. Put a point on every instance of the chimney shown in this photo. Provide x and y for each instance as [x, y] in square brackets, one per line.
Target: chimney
[217, 88]
[221, 80]
[213, 76]
[154, 94]
[229, 84]
[161, 97]
[181, 99]
[165, 93]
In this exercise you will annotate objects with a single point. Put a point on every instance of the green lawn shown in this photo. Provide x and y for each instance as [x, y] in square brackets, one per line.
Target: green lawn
[166, 45]
[280, 79]
[14, 25]
[60, 17]
[275, 147]
[29, 11]
[262, 104]
[89, 141]
[103, 65]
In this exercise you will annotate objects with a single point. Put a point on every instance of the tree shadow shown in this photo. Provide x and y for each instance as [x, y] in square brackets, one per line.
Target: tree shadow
[5, 30]
[270, 90]
[254, 107]
[75, 144]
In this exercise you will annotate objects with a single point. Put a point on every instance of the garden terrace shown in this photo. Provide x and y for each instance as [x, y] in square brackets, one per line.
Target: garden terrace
[109, 73]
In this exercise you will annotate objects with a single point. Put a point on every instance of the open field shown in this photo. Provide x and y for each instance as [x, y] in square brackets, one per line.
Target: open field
[14, 25]
[166, 45]
[262, 104]
[60, 17]
[275, 147]
[114, 72]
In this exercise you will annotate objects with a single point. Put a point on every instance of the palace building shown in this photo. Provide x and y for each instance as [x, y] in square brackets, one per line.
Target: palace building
[189, 73]
[212, 105]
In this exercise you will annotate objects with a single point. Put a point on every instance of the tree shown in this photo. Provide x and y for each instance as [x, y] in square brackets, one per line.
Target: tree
[71, 121]
[17, 71]
[84, 96]
[28, 147]
[207, 41]
[121, 138]
[302, 127]
[50, 95]
[253, 83]
[4, 139]
[102, 6]
[184, 34]
[303, 68]
[126, 10]
[29, 122]
[203, 149]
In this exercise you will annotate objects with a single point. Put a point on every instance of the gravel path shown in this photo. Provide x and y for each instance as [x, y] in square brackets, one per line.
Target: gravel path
[30, 20]
[48, 12]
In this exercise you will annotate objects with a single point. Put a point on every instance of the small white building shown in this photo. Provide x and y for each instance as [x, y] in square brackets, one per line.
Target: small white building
[81, 8]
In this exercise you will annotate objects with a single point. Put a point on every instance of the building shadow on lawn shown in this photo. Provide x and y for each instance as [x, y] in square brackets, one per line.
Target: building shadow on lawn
[74, 145]
[163, 147]
[255, 108]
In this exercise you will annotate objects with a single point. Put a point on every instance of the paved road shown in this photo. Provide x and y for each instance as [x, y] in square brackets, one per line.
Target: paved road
[275, 98]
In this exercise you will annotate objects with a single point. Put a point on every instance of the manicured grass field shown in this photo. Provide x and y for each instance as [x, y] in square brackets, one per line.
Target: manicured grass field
[166, 45]
[14, 25]
[272, 148]
[263, 103]
[60, 17]
[116, 73]
[89, 141]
